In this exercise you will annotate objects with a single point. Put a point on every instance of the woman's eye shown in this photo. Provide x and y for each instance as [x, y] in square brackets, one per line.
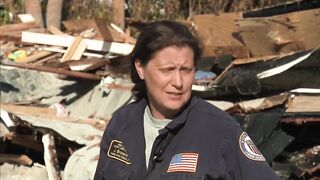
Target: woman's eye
[187, 70]
[166, 70]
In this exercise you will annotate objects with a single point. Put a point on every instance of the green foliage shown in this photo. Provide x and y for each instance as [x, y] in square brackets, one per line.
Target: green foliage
[4, 16]
[9, 11]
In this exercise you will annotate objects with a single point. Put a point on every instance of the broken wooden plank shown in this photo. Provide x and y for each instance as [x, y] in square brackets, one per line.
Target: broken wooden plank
[56, 70]
[7, 118]
[49, 113]
[14, 36]
[282, 33]
[75, 50]
[79, 50]
[28, 141]
[47, 58]
[13, 158]
[26, 18]
[36, 56]
[307, 29]
[96, 45]
[304, 104]
[300, 120]
[56, 49]
[217, 34]
[260, 104]
[102, 30]
[87, 64]
[54, 30]
[50, 157]
[18, 27]
[125, 35]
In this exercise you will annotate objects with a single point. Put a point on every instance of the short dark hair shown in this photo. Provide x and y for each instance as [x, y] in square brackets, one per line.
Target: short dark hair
[155, 37]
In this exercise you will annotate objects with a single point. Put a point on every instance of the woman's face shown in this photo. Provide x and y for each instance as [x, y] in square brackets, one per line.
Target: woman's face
[168, 77]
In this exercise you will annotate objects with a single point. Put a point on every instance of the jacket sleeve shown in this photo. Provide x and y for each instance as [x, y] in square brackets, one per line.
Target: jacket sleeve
[104, 146]
[246, 161]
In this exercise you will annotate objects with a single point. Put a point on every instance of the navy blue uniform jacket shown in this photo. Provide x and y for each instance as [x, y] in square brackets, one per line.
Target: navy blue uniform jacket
[202, 142]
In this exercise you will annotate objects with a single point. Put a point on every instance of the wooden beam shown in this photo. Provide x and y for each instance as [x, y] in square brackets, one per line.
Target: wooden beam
[50, 157]
[36, 56]
[75, 47]
[96, 45]
[54, 30]
[55, 49]
[87, 64]
[28, 141]
[51, 114]
[303, 104]
[56, 70]
[18, 27]
[14, 158]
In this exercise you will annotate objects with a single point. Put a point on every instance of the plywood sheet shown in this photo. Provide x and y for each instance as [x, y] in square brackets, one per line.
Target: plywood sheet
[304, 104]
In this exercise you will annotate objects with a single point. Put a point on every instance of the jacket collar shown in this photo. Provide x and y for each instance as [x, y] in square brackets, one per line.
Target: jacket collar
[133, 133]
[181, 118]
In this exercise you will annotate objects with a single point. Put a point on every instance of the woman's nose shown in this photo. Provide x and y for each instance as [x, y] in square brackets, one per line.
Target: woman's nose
[176, 79]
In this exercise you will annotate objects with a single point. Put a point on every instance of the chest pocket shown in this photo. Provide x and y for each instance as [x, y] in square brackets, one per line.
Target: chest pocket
[114, 170]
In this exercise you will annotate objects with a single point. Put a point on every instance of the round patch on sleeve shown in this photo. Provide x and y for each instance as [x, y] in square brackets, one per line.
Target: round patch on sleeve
[249, 149]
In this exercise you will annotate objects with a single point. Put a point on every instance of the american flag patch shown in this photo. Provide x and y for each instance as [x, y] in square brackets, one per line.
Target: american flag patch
[183, 162]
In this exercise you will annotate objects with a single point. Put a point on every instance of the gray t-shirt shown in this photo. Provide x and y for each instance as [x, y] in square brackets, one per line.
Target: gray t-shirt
[151, 130]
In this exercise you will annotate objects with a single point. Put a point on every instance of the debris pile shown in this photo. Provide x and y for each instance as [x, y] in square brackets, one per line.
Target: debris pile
[60, 88]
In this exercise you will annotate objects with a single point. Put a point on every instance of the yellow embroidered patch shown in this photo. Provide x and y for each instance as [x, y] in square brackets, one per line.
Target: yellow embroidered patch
[117, 151]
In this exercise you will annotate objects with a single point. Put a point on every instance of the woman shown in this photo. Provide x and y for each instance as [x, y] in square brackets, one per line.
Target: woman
[167, 133]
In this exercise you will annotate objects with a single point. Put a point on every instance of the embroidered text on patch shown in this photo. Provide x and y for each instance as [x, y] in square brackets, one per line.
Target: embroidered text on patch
[183, 162]
[117, 151]
[249, 149]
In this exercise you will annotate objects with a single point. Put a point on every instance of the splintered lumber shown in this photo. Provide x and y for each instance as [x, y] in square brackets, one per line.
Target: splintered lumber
[26, 18]
[282, 33]
[304, 104]
[37, 56]
[102, 30]
[50, 157]
[49, 113]
[87, 64]
[217, 35]
[125, 35]
[28, 141]
[7, 118]
[75, 50]
[56, 31]
[57, 71]
[13, 158]
[56, 49]
[12, 32]
[18, 27]
[57, 40]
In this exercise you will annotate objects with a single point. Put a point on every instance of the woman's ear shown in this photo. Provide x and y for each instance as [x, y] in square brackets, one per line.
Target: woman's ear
[139, 68]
